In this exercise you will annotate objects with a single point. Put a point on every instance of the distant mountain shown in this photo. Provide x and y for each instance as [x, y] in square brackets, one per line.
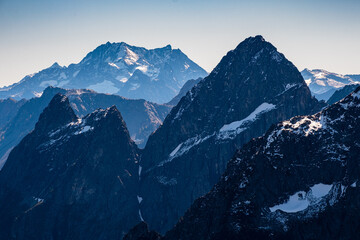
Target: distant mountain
[142, 117]
[187, 87]
[156, 75]
[8, 109]
[354, 77]
[299, 181]
[323, 83]
[342, 92]
[253, 87]
[71, 178]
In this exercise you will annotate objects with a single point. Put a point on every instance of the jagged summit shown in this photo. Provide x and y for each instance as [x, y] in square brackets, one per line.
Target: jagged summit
[257, 38]
[253, 73]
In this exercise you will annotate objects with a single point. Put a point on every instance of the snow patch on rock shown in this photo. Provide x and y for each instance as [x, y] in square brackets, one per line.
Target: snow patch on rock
[232, 129]
[302, 200]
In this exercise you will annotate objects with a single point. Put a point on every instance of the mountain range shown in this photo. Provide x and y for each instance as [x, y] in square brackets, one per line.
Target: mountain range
[246, 152]
[323, 84]
[156, 75]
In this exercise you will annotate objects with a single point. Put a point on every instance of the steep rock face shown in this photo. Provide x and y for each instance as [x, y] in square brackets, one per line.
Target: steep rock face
[252, 87]
[341, 93]
[116, 68]
[323, 84]
[187, 87]
[71, 178]
[142, 117]
[299, 181]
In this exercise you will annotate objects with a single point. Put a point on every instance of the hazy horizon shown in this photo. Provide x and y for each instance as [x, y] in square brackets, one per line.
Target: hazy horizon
[322, 34]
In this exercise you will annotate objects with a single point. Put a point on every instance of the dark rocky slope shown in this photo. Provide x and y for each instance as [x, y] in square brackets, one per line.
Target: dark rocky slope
[299, 181]
[253, 87]
[71, 178]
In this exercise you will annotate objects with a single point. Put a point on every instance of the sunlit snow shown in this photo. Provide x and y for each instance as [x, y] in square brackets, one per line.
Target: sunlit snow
[301, 200]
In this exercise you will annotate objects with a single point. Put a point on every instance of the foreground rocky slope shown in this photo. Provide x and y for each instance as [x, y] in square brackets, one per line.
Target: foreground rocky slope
[253, 87]
[116, 68]
[71, 178]
[142, 117]
[299, 181]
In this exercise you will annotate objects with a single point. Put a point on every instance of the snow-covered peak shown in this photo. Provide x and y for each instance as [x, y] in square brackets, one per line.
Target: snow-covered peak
[116, 68]
[323, 83]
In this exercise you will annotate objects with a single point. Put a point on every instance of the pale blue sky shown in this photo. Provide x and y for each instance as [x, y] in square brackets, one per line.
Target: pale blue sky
[314, 34]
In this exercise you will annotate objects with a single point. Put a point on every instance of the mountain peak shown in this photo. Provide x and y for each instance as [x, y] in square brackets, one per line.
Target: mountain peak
[55, 65]
[108, 114]
[255, 44]
[257, 38]
[56, 114]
